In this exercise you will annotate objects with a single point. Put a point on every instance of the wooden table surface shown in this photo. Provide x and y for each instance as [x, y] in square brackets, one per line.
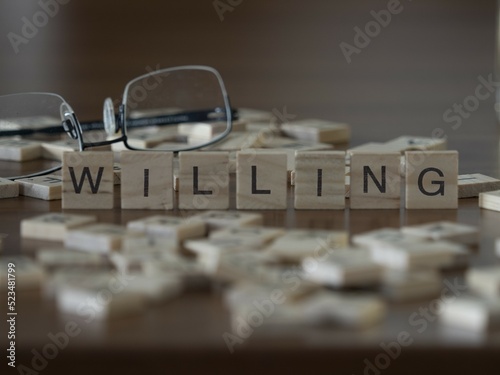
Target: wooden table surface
[272, 55]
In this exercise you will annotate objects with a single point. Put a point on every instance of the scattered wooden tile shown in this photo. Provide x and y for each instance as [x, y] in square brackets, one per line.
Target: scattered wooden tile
[175, 228]
[54, 150]
[247, 265]
[203, 180]
[297, 244]
[135, 243]
[8, 188]
[46, 187]
[470, 185]
[239, 141]
[490, 200]
[436, 254]
[100, 299]
[210, 251]
[27, 274]
[408, 286]
[190, 272]
[16, 149]
[340, 268]
[445, 230]
[88, 276]
[255, 115]
[375, 181]
[350, 310]
[372, 147]
[485, 281]
[132, 262]
[202, 132]
[411, 143]
[261, 180]
[158, 288]
[88, 181]
[57, 258]
[152, 138]
[53, 226]
[314, 130]
[383, 237]
[472, 313]
[431, 179]
[319, 180]
[226, 219]
[260, 235]
[97, 238]
[146, 180]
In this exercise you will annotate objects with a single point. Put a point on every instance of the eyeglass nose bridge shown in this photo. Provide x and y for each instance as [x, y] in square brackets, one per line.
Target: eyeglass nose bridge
[69, 121]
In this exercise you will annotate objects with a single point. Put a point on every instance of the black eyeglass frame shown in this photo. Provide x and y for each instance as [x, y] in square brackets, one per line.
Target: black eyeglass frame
[74, 128]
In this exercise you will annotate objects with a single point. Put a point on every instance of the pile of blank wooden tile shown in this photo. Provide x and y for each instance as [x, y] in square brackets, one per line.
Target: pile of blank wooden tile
[311, 276]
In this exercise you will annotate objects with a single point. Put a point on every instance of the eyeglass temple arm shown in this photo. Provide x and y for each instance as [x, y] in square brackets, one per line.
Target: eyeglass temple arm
[178, 118]
[194, 116]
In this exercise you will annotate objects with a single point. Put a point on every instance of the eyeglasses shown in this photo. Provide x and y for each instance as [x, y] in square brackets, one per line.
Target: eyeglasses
[175, 109]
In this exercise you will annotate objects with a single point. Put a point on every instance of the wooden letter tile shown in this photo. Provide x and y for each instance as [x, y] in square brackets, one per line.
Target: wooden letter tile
[344, 268]
[226, 219]
[96, 238]
[471, 313]
[87, 180]
[470, 185]
[445, 230]
[146, 180]
[298, 244]
[315, 130]
[53, 226]
[319, 180]
[431, 179]
[409, 143]
[19, 149]
[59, 258]
[485, 281]
[203, 180]
[375, 181]
[175, 228]
[490, 200]
[261, 180]
[55, 150]
[42, 187]
[8, 188]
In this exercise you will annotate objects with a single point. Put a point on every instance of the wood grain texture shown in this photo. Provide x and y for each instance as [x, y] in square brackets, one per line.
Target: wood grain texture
[261, 180]
[319, 180]
[48, 187]
[431, 179]
[146, 180]
[8, 188]
[88, 180]
[375, 180]
[53, 226]
[204, 180]
[470, 185]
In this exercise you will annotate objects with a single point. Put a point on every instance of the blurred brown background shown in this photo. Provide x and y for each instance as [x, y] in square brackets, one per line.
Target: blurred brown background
[271, 55]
